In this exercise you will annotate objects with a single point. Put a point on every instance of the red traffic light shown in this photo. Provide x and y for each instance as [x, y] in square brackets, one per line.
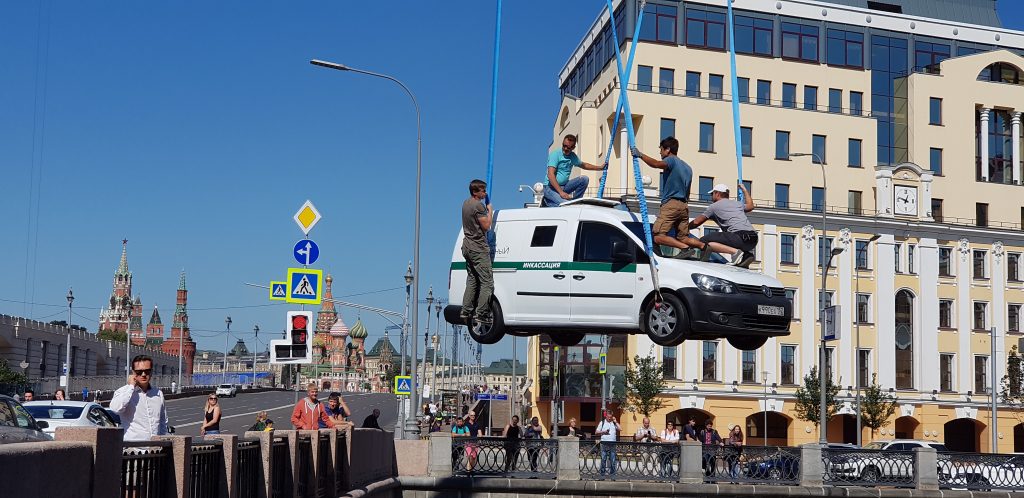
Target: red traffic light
[299, 322]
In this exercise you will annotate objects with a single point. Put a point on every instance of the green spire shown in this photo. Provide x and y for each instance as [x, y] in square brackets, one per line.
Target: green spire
[181, 282]
[122, 267]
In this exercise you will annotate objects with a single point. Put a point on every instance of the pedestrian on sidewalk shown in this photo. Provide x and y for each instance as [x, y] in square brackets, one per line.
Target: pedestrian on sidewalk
[140, 404]
[309, 411]
[512, 434]
[533, 432]
[211, 416]
[337, 410]
[59, 395]
[608, 429]
[261, 422]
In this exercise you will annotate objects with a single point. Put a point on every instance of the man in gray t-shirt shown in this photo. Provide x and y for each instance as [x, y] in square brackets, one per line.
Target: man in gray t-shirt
[738, 237]
[476, 221]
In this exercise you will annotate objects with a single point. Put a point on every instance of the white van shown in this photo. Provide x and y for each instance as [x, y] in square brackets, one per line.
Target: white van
[581, 268]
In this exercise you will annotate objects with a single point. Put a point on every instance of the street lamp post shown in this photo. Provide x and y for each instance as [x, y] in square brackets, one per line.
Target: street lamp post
[410, 421]
[224, 372]
[255, 351]
[127, 343]
[764, 375]
[67, 359]
[856, 322]
[437, 332]
[822, 384]
[426, 337]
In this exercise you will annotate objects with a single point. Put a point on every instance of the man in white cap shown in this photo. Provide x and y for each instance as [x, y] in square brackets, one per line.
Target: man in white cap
[738, 237]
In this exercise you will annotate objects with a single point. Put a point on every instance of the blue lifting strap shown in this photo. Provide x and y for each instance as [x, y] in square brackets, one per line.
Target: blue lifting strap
[735, 102]
[494, 101]
[614, 130]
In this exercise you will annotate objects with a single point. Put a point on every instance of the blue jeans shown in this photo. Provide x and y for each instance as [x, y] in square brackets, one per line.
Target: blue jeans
[608, 458]
[575, 187]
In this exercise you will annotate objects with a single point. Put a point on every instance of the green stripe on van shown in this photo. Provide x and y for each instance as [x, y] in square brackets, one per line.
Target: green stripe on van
[555, 265]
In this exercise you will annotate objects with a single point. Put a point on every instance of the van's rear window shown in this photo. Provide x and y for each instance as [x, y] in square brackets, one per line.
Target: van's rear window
[544, 236]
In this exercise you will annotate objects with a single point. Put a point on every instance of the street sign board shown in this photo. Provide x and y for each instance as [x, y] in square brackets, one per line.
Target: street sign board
[603, 369]
[278, 290]
[493, 397]
[832, 330]
[307, 217]
[403, 385]
[304, 286]
[306, 252]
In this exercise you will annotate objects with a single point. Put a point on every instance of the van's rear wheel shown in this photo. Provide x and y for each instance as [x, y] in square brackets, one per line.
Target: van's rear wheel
[747, 343]
[566, 339]
[666, 324]
[489, 334]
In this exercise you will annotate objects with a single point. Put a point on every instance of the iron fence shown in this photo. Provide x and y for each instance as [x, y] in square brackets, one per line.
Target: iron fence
[751, 464]
[304, 463]
[281, 480]
[860, 467]
[521, 458]
[250, 466]
[206, 468]
[341, 483]
[977, 471]
[628, 460]
[144, 470]
[323, 466]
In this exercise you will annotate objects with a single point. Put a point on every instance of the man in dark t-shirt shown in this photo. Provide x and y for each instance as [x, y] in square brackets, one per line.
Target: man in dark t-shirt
[476, 221]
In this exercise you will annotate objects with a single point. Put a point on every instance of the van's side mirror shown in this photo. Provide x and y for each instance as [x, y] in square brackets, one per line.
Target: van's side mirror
[622, 251]
[42, 424]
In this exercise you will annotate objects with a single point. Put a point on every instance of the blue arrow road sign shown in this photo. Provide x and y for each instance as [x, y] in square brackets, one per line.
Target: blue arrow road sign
[306, 252]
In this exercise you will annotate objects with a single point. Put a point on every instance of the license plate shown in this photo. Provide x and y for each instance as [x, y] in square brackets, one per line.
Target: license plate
[770, 310]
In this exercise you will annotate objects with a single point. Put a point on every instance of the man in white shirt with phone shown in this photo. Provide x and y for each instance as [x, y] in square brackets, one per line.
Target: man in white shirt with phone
[608, 429]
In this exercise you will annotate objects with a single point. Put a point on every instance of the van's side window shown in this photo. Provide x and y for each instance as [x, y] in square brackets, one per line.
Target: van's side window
[594, 242]
[544, 236]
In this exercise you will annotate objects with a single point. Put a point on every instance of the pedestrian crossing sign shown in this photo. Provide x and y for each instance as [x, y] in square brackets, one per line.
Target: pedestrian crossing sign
[278, 291]
[403, 385]
[303, 286]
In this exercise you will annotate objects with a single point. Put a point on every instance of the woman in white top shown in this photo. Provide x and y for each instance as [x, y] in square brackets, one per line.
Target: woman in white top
[669, 454]
[670, 434]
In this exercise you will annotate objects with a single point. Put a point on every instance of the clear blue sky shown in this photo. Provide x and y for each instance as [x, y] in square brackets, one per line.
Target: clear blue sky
[196, 130]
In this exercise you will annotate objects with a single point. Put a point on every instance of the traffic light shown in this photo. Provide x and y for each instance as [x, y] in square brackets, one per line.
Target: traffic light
[297, 347]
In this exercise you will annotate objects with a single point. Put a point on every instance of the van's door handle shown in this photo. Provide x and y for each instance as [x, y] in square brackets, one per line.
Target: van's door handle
[579, 276]
[559, 276]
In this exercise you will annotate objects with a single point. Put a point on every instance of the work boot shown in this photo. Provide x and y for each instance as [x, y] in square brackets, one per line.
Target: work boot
[705, 253]
[686, 254]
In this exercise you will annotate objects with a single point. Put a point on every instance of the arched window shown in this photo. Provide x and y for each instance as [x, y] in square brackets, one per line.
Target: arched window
[1001, 72]
[904, 342]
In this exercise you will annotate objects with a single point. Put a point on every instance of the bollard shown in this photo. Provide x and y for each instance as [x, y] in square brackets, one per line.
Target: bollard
[106, 452]
[812, 469]
[568, 458]
[926, 469]
[266, 455]
[439, 451]
[691, 454]
[229, 453]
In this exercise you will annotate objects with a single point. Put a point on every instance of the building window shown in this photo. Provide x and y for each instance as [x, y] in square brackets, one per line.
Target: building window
[788, 364]
[910, 259]
[979, 260]
[791, 297]
[935, 111]
[981, 374]
[946, 372]
[897, 251]
[743, 89]
[644, 75]
[946, 313]
[715, 86]
[668, 127]
[835, 100]
[863, 308]
[980, 315]
[749, 366]
[817, 199]
[981, 214]
[789, 95]
[749, 185]
[659, 23]
[864, 367]
[888, 64]
[825, 299]
[764, 92]
[854, 202]
[692, 84]
[753, 36]
[845, 48]
[855, 149]
[830, 354]
[927, 56]
[788, 248]
[705, 29]
[668, 362]
[904, 340]
[818, 149]
[666, 80]
[945, 262]
[856, 103]
[937, 210]
[799, 42]
[782, 145]
[707, 137]
[710, 361]
[1013, 318]
[1013, 267]
[810, 98]
[782, 196]
[935, 160]
[747, 141]
[824, 250]
[705, 184]
[862, 254]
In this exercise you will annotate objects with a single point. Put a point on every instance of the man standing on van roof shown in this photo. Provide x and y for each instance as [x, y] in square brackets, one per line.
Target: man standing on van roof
[476, 221]
[676, 176]
[557, 185]
[738, 236]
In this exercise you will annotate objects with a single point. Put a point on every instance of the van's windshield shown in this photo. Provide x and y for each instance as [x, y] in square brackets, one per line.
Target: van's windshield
[638, 229]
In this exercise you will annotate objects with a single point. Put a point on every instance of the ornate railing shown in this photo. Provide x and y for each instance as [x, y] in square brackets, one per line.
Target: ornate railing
[859, 467]
[323, 466]
[143, 471]
[205, 468]
[304, 457]
[281, 481]
[976, 471]
[629, 460]
[501, 457]
[751, 464]
[341, 463]
[249, 467]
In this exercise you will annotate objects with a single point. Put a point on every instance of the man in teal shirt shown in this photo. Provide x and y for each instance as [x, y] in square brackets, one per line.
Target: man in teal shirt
[557, 186]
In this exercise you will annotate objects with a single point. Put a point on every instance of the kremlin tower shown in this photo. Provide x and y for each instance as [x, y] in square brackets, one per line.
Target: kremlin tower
[154, 330]
[115, 316]
[180, 336]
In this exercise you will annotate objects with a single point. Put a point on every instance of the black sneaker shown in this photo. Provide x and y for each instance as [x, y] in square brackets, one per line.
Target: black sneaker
[746, 260]
[686, 254]
[705, 253]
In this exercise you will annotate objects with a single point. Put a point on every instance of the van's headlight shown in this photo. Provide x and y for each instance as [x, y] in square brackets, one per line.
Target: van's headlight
[713, 284]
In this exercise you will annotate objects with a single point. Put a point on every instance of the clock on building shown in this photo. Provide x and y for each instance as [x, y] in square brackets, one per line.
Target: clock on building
[905, 200]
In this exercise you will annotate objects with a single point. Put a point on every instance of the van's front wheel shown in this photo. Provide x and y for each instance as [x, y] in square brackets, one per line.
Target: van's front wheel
[667, 323]
[489, 334]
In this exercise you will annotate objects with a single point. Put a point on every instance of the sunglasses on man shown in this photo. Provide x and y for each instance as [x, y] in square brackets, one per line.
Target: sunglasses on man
[147, 372]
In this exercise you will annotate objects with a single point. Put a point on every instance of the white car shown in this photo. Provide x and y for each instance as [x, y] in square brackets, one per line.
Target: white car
[69, 414]
[226, 390]
[875, 463]
[581, 268]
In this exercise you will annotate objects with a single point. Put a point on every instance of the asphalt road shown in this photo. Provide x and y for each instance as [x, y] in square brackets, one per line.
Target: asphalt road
[239, 413]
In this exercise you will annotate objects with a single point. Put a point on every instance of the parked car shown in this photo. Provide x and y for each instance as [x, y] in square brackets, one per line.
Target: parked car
[227, 390]
[581, 268]
[17, 425]
[69, 414]
[113, 416]
[981, 472]
[871, 464]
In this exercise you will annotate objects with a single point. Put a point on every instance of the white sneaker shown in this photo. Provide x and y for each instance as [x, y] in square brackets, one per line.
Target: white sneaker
[736, 258]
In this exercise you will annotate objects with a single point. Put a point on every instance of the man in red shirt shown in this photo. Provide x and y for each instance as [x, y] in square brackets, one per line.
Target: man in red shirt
[309, 412]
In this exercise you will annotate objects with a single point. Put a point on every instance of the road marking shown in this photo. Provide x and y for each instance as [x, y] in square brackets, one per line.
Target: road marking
[238, 415]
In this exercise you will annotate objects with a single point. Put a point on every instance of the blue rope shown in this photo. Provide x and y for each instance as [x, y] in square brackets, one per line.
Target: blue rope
[624, 84]
[494, 101]
[735, 102]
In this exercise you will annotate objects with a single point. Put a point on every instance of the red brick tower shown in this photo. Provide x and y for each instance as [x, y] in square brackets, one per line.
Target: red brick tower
[179, 333]
[135, 327]
[325, 318]
[115, 316]
[155, 330]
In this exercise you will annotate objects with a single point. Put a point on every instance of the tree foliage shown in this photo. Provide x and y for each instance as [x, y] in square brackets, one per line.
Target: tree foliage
[644, 382]
[10, 376]
[808, 398]
[1012, 383]
[876, 406]
[112, 335]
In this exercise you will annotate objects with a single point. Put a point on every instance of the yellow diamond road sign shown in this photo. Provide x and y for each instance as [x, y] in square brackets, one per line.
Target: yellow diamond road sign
[307, 217]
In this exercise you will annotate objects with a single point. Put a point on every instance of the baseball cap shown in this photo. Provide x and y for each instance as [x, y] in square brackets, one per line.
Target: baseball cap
[721, 187]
